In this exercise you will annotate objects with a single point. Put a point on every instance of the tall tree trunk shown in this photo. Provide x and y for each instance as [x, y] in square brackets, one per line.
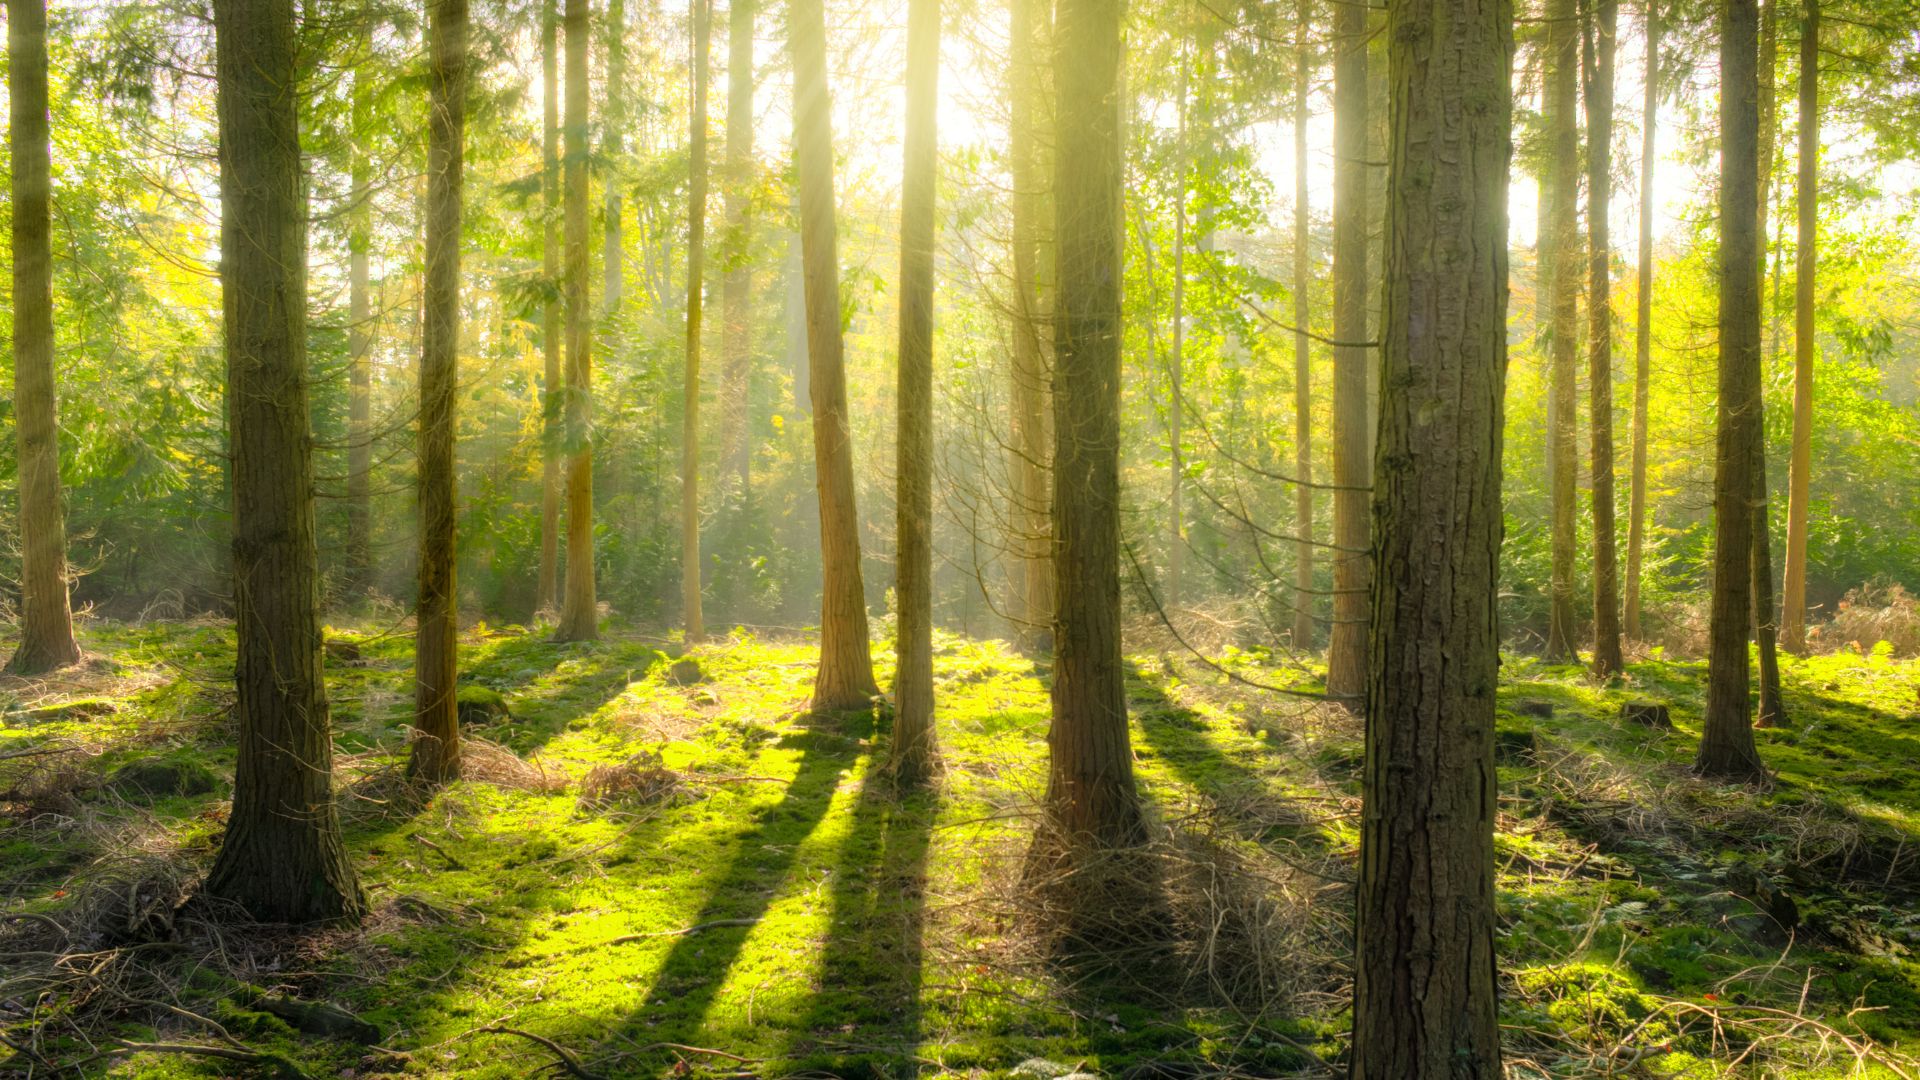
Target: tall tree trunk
[1032, 451]
[1176, 360]
[46, 616]
[696, 281]
[1347, 644]
[1807, 202]
[435, 752]
[1643, 328]
[1563, 340]
[1425, 981]
[913, 737]
[845, 676]
[282, 859]
[579, 616]
[547, 592]
[1303, 597]
[1599, 53]
[359, 554]
[1766, 627]
[1090, 790]
[737, 296]
[1726, 739]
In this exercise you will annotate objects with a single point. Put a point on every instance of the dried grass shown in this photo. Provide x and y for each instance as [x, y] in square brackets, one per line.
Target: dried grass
[641, 779]
[1872, 613]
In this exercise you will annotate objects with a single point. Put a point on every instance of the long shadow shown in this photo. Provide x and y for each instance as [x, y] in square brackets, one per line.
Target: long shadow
[864, 1018]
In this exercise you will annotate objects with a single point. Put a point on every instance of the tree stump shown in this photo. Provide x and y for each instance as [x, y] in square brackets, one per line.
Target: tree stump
[1542, 709]
[1647, 713]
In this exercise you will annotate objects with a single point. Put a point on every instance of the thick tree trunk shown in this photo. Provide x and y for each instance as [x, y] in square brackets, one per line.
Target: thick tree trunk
[359, 554]
[1090, 790]
[1726, 741]
[736, 313]
[1303, 595]
[547, 592]
[1643, 329]
[1563, 339]
[46, 615]
[282, 859]
[845, 676]
[579, 616]
[1807, 200]
[1766, 626]
[1032, 451]
[1599, 53]
[696, 281]
[435, 752]
[1425, 980]
[1347, 643]
[913, 734]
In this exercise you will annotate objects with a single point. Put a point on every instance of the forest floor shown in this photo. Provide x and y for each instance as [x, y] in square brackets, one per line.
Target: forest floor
[671, 869]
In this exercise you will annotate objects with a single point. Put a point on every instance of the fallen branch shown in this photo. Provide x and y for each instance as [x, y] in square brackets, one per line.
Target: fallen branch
[440, 851]
[282, 1066]
[694, 929]
[567, 1061]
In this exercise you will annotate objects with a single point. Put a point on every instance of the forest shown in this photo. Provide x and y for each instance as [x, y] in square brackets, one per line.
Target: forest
[1005, 539]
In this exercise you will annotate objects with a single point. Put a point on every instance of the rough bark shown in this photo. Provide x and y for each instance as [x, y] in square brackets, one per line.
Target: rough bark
[1563, 341]
[1090, 790]
[736, 313]
[1425, 979]
[1807, 202]
[1643, 329]
[1032, 451]
[845, 677]
[1303, 593]
[547, 591]
[1347, 642]
[435, 752]
[46, 615]
[696, 292]
[359, 553]
[1766, 624]
[1599, 56]
[1726, 741]
[579, 617]
[282, 859]
[913, 733]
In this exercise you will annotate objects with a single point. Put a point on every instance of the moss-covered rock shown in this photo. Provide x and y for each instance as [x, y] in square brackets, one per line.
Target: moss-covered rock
[156, 778]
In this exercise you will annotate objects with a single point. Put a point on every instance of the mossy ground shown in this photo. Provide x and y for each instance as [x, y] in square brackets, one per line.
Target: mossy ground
[1650, 921]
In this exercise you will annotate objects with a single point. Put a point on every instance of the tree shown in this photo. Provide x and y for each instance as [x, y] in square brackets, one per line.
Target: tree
[1807, 201]
[1599, 41]
[845, 676]
[1726, 739]
[1347, 644]
[46, 615]
[1302, 356]
[547, 592]
[696, 279]
[1031, 452]
[1563, 344]
[282, 859]
[579, 616]
[1090, 791]
[359, 554]
[1643, 328]
[736, 316]
[435, 753]
[1766, 627]
[1425, 981]
[1176, 359]
[913, 736]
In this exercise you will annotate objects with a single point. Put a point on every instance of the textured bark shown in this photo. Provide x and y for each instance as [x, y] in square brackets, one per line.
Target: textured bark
[1425, 980]
[547, 591]
[1643, 329]
[1090, 789]
[845, 676]
[1807, 200]
[282, 859]
[1766, 624]
[696, 280]
[913, 733]
[435, 753]
[736, 313]
[1726, 740]
[1347, 643]
[1032, 452]
[46, 615]
[1563, 342]
[359, 553]
[579, 617]
[1303, 596]
[1599, 54]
